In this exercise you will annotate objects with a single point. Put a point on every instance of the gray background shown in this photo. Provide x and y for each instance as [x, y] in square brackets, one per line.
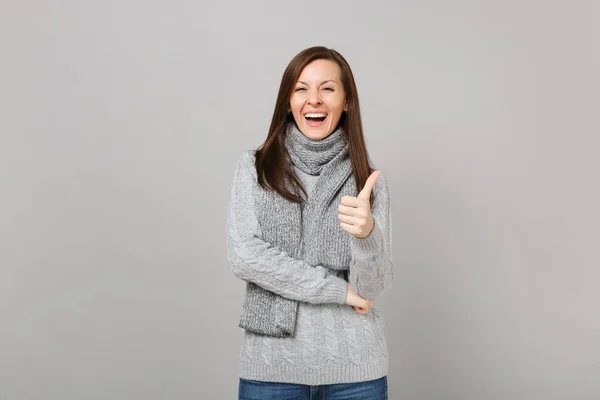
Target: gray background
[121, 122]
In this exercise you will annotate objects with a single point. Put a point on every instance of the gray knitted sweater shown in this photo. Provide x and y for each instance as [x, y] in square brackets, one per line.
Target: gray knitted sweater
[333, 343]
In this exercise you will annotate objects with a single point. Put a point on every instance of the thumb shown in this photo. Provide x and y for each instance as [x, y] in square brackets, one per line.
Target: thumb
[365, 193]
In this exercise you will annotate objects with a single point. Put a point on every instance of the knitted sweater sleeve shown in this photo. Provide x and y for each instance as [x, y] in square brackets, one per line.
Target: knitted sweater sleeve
[254, 260]
[371, 268]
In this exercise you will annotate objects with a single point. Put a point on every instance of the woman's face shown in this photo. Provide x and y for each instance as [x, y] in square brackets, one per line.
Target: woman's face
[318, 99]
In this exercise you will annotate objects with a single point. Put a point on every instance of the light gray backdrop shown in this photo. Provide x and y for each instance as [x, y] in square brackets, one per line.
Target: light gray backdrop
[121, 122]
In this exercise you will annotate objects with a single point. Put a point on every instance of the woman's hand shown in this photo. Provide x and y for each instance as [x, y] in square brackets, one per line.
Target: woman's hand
[354, 213]
[359, 303]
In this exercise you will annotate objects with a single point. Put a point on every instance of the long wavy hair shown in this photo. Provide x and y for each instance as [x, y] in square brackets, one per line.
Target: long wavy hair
[273, 165]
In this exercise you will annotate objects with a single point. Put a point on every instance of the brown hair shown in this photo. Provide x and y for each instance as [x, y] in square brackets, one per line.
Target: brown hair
[273, 167]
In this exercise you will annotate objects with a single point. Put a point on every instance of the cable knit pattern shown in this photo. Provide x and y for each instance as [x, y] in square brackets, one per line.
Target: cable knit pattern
[332, 343]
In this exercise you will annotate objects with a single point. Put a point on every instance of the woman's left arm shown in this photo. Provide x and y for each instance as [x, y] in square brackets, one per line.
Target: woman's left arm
[371, 268]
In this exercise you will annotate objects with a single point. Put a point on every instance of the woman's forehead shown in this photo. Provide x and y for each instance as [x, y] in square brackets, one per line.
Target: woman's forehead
[320, 71]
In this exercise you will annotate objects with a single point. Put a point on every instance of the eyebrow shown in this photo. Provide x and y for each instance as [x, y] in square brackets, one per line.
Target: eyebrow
[325, 81]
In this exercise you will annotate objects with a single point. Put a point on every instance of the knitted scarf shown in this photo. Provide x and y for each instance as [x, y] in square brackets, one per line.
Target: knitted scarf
[309, 231]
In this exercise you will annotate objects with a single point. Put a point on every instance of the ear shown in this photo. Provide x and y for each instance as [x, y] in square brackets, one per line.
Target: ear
[346, 107]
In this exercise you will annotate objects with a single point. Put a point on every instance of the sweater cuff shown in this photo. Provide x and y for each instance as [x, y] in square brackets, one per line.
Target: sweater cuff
[336, 290]
[369, 244]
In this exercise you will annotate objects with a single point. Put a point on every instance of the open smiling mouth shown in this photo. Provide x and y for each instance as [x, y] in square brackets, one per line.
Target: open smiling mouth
[315, 119]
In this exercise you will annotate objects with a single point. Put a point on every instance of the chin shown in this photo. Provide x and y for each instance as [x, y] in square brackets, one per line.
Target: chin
[316, 133]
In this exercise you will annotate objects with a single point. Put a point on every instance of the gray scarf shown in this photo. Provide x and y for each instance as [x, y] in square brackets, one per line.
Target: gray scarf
[308, 231]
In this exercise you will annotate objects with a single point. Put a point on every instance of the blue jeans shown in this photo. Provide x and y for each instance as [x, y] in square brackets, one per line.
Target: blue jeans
[368, 390]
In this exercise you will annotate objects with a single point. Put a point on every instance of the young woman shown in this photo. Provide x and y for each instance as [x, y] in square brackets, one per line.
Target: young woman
[309, 230]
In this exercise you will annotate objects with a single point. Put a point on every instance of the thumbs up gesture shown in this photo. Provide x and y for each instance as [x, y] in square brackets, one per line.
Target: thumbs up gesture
[354, 213]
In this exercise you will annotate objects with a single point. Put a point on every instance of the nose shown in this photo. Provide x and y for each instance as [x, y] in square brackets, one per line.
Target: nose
[314, 98]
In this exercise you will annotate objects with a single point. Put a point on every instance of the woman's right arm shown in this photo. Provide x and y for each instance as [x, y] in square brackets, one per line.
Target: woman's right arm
[255, 260]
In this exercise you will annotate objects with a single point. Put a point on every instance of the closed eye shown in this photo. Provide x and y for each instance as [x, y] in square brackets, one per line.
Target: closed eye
[328, 88]
[299, 89]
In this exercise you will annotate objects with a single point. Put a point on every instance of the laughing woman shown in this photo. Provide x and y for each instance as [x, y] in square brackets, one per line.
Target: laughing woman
[309, 230]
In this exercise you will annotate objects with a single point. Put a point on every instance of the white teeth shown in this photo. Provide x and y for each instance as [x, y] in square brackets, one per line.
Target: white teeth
[316, 115]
